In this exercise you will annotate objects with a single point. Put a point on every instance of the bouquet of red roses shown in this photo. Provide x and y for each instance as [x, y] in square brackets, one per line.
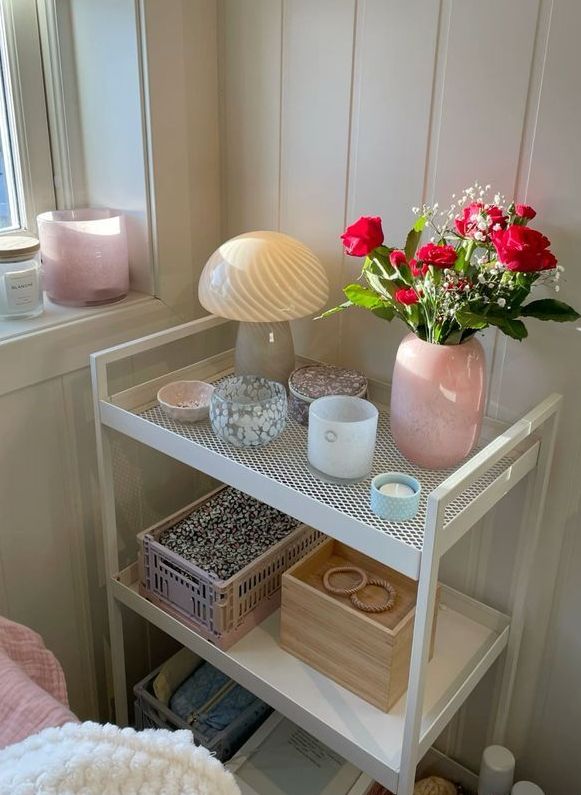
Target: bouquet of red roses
[476, 271]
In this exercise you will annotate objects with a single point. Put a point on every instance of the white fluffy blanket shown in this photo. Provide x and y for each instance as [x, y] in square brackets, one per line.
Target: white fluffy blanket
[90, 759]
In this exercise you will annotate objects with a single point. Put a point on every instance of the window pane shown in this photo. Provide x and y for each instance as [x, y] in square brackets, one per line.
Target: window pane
[10, 184]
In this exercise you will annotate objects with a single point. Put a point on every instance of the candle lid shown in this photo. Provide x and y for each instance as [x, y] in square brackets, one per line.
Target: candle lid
[12, 246]
[321, 380]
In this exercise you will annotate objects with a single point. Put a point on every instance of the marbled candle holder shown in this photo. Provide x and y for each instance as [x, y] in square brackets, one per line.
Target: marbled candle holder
[248, 411]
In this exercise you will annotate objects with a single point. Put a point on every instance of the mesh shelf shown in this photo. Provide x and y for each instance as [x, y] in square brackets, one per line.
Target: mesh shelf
[284, 460]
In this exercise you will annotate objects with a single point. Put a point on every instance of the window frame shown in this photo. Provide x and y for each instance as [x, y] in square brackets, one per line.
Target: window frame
[32, 148]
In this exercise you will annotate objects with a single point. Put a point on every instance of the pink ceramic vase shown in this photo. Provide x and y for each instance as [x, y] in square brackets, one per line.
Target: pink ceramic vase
[437, 400]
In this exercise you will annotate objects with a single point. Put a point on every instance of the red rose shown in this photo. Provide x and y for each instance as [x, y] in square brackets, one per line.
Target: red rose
[406, 295]
[477, 222]
[520, 248]
[397, 258]
[363, 236]
[525, 211]
[460, 285]
[418, 270]
[438, 256]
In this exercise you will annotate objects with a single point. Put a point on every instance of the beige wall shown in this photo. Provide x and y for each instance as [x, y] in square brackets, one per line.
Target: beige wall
[51, 573]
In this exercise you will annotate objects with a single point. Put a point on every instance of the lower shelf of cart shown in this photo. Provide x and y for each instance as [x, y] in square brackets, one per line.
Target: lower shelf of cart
[469, 638]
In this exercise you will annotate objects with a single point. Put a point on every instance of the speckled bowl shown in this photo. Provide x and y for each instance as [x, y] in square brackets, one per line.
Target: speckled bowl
[186, 401]
[248, 411]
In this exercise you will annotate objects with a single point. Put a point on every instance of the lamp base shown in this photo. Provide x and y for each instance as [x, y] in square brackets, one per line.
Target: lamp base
[265, 349]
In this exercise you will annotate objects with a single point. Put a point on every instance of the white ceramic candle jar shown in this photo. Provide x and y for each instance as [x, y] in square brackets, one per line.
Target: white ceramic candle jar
[342, 434]
[20, 282]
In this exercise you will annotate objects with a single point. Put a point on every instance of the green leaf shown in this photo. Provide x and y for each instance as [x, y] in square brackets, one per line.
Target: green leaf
[385, 312]
[470, 320]
[454, 338]
[511, 327]
[411, 243]
[414, 236]
[380, 266]
[379, 279]
[368, 299]
[436, 274]
[461, 264]
[413, 313]
[420, 223]
[405, 273]
[359, 295]
[550, 309]
[334, 310]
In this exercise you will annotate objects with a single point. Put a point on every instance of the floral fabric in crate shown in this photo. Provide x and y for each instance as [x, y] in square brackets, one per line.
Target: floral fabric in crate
[227, 532]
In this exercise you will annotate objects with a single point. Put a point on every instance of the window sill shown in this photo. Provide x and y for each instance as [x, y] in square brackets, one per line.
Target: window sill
[56, 315]
[61, 339]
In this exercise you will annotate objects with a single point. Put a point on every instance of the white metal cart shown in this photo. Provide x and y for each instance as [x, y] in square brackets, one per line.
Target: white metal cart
[470, 635]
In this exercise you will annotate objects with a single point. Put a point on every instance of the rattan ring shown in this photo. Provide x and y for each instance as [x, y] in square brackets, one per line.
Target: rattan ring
[344, 591]
[368, 608]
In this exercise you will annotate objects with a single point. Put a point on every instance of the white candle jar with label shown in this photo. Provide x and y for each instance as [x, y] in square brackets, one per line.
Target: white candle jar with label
[20, 278]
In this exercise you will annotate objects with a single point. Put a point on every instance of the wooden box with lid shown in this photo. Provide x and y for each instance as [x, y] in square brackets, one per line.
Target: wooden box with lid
[368, 653]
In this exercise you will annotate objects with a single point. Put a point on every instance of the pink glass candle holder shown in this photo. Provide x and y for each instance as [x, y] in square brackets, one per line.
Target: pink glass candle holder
[84, 256]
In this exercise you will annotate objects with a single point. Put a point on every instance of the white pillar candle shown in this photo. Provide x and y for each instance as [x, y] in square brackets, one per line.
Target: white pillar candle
[496, 771]
[396, 490]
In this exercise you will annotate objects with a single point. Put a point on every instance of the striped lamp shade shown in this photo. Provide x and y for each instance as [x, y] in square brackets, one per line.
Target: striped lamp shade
[263, 276]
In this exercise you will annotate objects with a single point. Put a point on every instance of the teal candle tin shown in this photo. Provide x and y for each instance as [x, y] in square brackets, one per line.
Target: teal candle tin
[395, 496]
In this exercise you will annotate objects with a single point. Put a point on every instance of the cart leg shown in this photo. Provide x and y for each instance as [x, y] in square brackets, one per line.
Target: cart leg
[118, 662]
[111, 567]
[530, 530]
[423, 623]
[111, 549]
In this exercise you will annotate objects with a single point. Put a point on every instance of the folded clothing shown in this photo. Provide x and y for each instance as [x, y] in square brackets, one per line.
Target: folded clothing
[211, 703]
[173, 672]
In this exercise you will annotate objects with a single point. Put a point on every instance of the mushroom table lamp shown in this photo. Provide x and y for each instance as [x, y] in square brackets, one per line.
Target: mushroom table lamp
[263, 280]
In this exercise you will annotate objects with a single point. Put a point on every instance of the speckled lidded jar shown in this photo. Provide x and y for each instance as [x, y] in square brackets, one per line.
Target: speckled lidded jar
[314, 381]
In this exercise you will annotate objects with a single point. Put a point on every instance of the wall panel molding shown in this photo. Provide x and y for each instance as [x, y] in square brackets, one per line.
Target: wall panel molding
[317, 74]
[389, 140]
[250, 74]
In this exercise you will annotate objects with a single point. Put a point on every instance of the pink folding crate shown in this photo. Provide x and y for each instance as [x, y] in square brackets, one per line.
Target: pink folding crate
[222, 610]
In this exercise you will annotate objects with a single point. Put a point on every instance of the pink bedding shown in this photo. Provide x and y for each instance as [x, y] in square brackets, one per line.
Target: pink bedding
[33, 692]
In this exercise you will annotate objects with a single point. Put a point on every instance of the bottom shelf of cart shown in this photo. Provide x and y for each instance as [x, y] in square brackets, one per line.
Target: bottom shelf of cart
[469, 638]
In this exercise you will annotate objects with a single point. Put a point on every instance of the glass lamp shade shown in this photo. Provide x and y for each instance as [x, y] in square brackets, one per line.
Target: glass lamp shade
[263, 279]
[263, 276]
